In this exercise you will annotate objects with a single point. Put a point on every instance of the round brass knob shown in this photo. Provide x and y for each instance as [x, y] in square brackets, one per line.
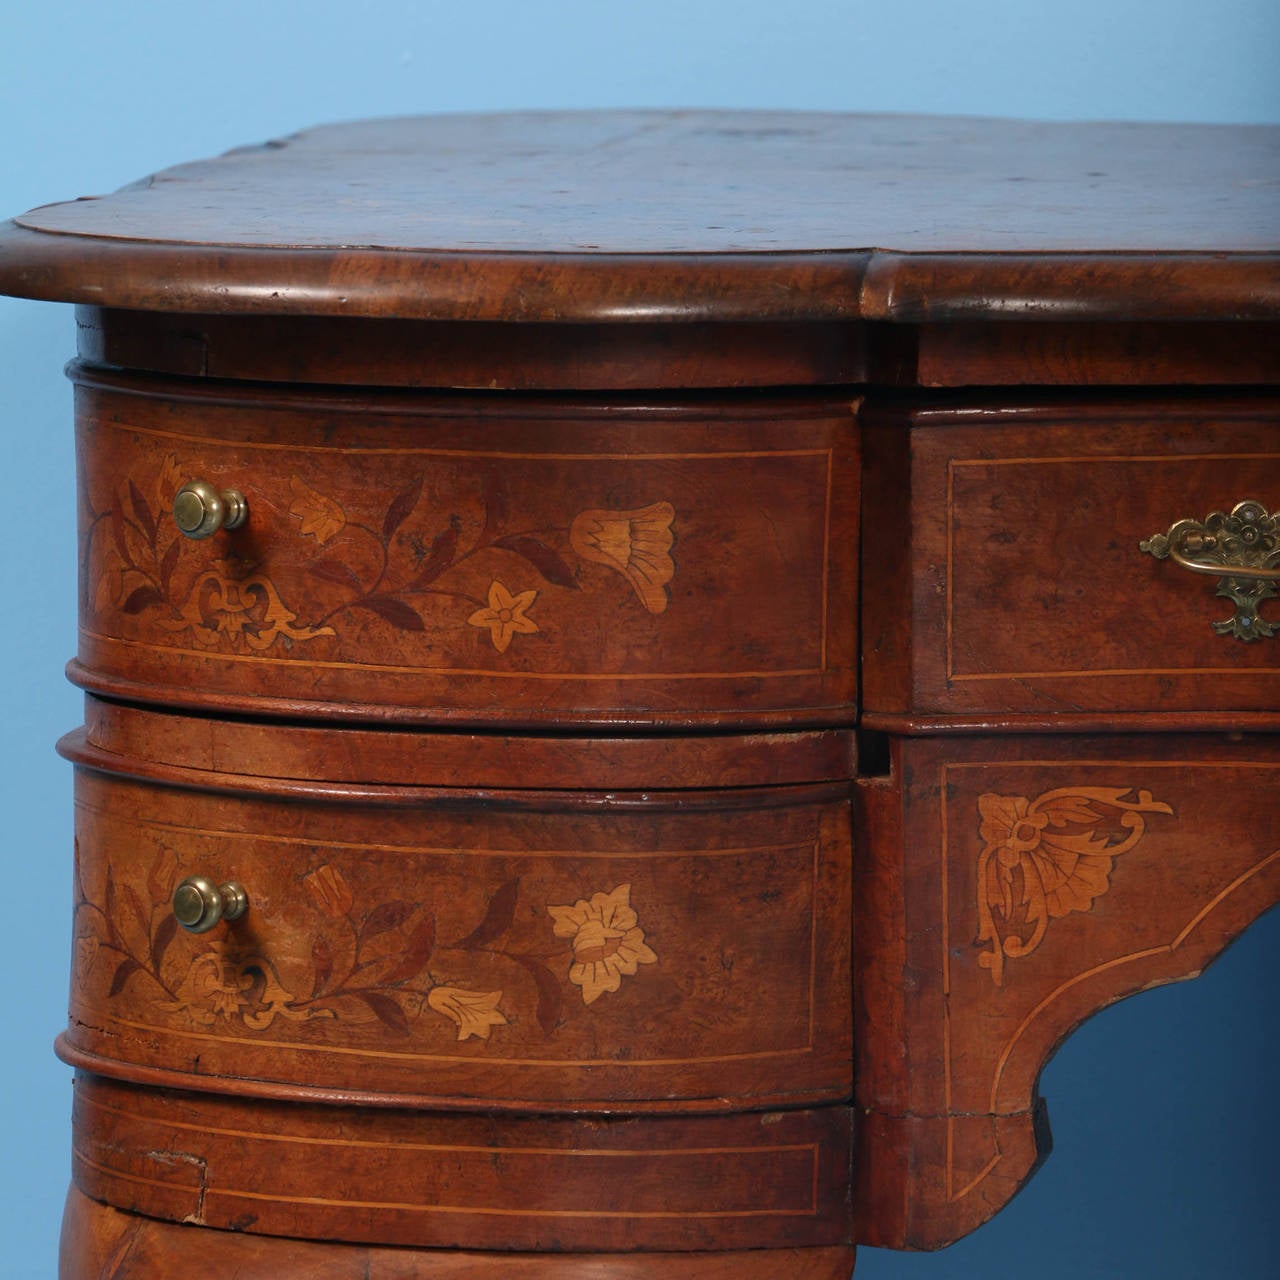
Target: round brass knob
[198, 903]
[200, 510]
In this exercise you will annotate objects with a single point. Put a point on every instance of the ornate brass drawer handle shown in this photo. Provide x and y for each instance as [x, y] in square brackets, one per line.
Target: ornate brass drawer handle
[200, 510]
[198, 903]
[1241, 550]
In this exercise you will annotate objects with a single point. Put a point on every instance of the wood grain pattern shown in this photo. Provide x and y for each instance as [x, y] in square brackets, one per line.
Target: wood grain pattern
[577, 448]
[136, 737]
[667, 955]
[772, 1179]
[1141, 857]
[100, 1242]
[576, 217]
[443, 558]
[1023, 586]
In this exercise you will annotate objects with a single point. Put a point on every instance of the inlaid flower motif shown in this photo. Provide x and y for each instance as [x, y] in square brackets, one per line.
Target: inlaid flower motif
[637, 544]
[505, 615]
[607, 941]
[329, 890]
[321, 517]
[226, 983]
[1044, 858]
[474, 1013]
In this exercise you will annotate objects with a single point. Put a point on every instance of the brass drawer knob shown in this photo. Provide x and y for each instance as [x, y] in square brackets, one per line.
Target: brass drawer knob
[198, 903]
[1240, 549]
[200, 510]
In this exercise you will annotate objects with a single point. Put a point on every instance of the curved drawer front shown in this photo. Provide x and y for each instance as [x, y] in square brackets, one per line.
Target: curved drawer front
[1016, 565]
[471, 557]
[763, 1180]
[467, 949]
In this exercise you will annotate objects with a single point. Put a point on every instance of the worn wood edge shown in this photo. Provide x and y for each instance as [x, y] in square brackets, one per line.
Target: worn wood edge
[477, 355]
[930, 725]
[257, 1090]
[492, 760]
[75, 747]
[849, 284]
[769, 405]
[894, 1206]
[100, 1242]
[1060, 405]
[189, 698]
[908, 288]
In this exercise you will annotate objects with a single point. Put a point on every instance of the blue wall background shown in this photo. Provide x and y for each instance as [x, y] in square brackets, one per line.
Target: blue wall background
[1164, 1117]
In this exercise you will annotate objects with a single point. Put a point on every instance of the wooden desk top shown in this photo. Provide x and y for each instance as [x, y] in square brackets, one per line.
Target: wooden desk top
[662, 216]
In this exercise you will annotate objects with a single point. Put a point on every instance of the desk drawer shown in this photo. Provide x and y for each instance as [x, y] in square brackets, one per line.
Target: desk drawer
[1006, 569]
[466, 948]
[763, 1180]
[471, 558]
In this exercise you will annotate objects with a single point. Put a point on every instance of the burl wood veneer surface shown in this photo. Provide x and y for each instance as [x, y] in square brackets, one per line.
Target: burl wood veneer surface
[101, 1243]
[559, 216]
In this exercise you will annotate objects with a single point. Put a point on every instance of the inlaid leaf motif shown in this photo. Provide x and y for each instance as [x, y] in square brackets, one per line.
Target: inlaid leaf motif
[321, 963]
[124, 971]
[384, 917]
[140, 598]
[494, 495]
[142, 512]
[334, 571]
[170, 562]
[498, 918]
[546, 561]
[392, 610]
[421, 944]
[387, 1010]
[440, 556]
[164, 934]
[550, 994]
[401, 505]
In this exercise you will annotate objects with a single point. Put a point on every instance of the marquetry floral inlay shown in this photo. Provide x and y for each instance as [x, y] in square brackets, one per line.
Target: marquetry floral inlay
[608, 942]
[505, 615]
[1044, 858]
[472, 1012]
[635, 543]
[383, 963]
[416, 566]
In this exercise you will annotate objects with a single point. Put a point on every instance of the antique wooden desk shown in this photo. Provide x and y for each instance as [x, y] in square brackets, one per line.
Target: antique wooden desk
[643, 670]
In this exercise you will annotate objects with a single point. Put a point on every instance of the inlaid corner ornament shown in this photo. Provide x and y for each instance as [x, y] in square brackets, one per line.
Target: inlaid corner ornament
[1045, 858]
[1241, 550]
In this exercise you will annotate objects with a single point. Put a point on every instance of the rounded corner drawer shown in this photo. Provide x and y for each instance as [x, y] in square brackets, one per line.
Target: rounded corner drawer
[463, 947]
[467, 557]
[1025, 564]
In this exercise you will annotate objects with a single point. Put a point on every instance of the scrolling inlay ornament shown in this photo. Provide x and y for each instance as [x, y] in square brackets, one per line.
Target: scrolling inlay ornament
[1044, 858]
